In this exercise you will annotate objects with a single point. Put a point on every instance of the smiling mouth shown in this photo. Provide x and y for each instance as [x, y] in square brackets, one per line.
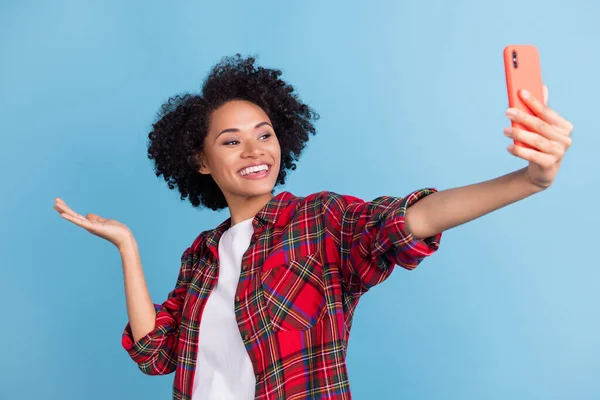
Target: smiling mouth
[255, 170]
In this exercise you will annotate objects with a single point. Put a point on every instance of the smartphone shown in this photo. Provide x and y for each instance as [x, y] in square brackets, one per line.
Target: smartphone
[523, 71]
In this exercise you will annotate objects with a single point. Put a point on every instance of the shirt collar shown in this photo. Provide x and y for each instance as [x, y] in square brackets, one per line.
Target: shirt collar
[269, 215]
[271, 212]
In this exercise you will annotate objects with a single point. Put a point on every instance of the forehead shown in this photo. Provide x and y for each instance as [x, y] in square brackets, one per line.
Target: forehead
[239, 114]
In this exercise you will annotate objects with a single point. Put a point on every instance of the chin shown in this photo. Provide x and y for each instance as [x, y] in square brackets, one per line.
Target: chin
[256, 190]
[267, 190]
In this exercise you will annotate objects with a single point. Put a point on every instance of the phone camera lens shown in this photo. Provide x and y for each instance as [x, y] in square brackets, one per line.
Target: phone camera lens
[514, 58]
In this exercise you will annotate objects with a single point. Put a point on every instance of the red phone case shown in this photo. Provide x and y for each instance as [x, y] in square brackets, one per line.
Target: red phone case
[523, 71]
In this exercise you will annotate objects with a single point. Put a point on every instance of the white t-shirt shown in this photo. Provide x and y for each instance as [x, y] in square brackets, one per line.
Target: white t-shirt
[224, 370]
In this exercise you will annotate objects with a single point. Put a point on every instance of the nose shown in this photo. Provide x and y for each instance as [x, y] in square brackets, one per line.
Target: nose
[252, 149]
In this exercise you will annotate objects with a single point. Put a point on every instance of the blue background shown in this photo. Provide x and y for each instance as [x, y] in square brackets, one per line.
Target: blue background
[410, 95]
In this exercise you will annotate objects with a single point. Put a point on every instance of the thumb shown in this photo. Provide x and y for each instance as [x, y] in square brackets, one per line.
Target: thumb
[94, 218]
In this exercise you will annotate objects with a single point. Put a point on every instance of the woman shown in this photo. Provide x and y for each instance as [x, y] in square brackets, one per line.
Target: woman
[263, 304]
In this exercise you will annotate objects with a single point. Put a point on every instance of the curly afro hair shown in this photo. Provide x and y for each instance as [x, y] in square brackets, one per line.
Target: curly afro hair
[177, 136]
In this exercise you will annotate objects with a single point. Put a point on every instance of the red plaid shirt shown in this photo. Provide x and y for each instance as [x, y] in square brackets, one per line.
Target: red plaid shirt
[309, 261]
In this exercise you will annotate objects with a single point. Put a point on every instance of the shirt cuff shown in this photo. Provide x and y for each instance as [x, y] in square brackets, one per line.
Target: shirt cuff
[137, 349]
[413, 250]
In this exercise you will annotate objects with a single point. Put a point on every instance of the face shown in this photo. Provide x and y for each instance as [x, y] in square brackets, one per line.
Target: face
[241, 151]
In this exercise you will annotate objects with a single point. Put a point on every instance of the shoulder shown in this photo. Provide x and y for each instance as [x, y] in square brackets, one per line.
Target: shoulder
[329, 198]
[201, 241]
[194, 248]
[326, 201]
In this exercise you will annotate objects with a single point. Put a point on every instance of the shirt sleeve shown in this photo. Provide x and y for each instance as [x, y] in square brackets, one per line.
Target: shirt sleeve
[156, 353]
[372, 238]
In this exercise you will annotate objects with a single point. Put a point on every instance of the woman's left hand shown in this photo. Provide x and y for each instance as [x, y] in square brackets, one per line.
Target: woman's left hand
[547, 132]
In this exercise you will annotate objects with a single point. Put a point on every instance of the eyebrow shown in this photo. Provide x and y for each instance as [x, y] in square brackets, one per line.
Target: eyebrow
[237, 130]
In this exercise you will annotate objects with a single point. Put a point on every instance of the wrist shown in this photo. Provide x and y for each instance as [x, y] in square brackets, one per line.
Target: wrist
[127, 244]
[533, 186]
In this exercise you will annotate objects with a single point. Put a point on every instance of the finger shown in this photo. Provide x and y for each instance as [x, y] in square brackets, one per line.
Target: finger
[59, 207]
[94, 217]
[533, 123]
[542, 110]
[538, 142]
[63, 208]
[545, 91]
[68, 210]
[59, 203]
[84, 223]
[541, 127]
[542, 159]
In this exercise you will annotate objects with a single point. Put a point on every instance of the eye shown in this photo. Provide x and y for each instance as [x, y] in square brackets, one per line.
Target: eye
[231, 143]
[266, 136]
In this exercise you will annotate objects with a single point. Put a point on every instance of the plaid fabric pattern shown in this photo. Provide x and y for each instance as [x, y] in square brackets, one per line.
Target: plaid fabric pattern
[310, 260]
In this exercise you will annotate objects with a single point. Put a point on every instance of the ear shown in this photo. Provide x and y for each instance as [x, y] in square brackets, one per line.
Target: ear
[204, 169]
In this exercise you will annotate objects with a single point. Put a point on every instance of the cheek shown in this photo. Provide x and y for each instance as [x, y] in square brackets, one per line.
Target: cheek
[222, 164]
[229, 164]
[276, 150]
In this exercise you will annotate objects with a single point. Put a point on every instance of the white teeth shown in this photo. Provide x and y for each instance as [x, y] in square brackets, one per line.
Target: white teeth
[256, 168]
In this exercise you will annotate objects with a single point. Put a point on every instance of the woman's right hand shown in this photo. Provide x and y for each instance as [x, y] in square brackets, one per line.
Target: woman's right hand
[109, 229]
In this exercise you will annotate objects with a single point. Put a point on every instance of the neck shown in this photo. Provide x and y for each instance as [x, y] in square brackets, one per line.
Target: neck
[245, 208]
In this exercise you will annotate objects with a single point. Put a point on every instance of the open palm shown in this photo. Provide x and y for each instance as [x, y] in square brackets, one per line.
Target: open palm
[109, 229]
